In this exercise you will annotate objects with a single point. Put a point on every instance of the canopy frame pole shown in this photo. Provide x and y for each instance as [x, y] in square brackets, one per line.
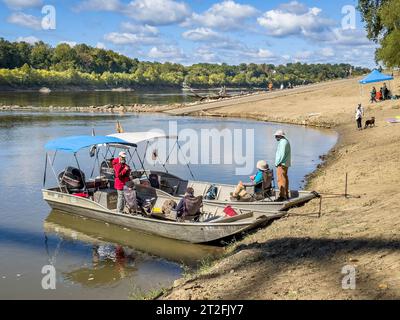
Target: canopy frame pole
[131, 160]
[145, 151]
[141, 163]
[77, 163]
[45, 171]
[187, 162]
[169, 155]
[54, 172]
[96, 159]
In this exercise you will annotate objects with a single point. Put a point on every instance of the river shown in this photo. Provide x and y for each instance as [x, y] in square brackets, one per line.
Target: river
[94, 260]
[100, 98]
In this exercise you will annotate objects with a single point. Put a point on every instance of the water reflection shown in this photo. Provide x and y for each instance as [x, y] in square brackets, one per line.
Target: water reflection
[110, 264]
[98, 233]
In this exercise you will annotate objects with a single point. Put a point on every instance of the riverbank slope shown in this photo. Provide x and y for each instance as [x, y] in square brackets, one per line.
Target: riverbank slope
[303, 256]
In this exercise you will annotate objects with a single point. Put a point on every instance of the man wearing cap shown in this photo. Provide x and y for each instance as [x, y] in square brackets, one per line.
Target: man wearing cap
[282, 164]
[122, 172]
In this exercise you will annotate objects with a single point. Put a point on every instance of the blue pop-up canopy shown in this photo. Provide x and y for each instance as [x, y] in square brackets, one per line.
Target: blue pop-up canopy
[76, 143]
[376, 76]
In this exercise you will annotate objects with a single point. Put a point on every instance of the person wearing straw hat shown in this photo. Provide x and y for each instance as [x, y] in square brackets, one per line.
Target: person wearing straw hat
[262, 183]
[258, 179]
[282, 164]
[122, 172]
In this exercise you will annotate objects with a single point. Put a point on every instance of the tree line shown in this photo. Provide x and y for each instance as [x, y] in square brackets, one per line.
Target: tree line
[382, 18]
[23, 65]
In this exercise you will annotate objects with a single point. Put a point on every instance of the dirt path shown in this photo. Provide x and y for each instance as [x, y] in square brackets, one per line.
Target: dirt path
[303, 256]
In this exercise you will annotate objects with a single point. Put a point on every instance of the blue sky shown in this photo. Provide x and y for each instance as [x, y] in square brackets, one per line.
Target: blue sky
[231, 31]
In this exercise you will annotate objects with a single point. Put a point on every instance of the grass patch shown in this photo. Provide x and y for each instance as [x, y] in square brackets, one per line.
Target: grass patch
[151, 294]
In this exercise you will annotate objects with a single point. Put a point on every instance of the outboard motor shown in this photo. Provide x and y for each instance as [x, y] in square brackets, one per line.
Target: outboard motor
[72, 178]
[107, 171]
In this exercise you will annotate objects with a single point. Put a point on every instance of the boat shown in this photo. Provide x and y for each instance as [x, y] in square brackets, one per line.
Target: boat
[174, 187]
[96, 199]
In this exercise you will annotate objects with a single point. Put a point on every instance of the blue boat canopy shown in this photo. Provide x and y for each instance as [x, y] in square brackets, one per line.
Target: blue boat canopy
[376, 76]
[76, 143]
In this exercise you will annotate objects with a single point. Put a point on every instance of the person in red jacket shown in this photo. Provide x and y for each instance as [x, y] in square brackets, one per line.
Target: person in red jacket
[122, 172]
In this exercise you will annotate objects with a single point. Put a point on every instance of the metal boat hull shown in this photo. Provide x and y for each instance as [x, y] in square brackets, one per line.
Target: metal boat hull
[191, 232]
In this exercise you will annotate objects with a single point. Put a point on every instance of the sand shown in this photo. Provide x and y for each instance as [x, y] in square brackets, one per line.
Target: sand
[302, 256]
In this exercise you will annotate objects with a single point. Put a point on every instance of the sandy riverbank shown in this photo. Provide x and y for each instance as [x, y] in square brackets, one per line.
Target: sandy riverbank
[302, 256]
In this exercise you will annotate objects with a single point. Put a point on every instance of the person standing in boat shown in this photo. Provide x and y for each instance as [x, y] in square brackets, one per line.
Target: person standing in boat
[122, 172]
[282, 163]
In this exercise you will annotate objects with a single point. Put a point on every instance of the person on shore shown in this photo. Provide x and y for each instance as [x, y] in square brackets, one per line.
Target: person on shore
[379, 95]
[359, 116]
[373, 95]
[283, 163]
[122, 172]
[385, 92]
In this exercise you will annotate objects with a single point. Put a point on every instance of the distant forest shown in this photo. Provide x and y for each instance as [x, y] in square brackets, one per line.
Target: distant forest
[23, 65]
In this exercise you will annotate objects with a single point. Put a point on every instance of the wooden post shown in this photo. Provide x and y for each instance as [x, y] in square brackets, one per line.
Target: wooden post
[320, 207]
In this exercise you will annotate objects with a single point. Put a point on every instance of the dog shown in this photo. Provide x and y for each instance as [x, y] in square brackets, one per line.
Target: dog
[370, 123]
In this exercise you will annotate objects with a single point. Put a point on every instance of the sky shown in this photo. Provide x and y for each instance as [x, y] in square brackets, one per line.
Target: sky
[187, 32]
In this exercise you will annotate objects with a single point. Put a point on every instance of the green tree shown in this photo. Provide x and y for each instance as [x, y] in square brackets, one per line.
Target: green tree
[382, 19]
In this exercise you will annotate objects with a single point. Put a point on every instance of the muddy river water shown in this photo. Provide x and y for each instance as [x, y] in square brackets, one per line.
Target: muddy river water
[95, 260]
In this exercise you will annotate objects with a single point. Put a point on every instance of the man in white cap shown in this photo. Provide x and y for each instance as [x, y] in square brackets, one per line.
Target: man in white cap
[282, 164]
[122, 172]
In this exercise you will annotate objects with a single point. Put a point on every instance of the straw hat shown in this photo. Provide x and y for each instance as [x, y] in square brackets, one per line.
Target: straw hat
[280, 133]
[262, 165]
[122, 154]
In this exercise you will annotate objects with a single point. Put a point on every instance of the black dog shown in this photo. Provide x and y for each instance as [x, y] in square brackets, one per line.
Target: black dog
[370, 123]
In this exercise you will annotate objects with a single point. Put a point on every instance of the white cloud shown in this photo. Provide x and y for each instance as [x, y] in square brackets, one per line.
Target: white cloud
[286, 21]
[19, 4]
[140, 29]
[152, 12]
[100, 45]
[294, 7]
[126, 38]
[167, 53]
[225, 15]
[263, 53]
[303, 55]
[206, 55]
[25, 20]
[201, 34]
[350, 37]
[100, 5]
[158, 12]
[29, 39]
[327, 52]
[70, 43]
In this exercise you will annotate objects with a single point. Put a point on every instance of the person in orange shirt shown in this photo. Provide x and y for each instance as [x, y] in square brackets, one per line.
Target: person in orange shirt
[378, 95]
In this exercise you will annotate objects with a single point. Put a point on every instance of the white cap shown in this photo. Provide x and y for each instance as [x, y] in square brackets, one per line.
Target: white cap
[122, 154]
[280, 133]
